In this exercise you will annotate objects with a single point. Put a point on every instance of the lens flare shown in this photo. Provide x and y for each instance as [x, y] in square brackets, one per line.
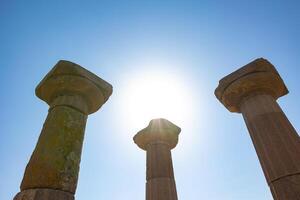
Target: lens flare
[156, 95]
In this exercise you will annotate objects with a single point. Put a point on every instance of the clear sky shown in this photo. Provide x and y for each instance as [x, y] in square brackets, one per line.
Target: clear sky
[191, 43]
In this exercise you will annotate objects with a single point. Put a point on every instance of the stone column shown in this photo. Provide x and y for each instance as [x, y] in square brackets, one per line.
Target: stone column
[72, 93]
[157, 139]
[253, 91]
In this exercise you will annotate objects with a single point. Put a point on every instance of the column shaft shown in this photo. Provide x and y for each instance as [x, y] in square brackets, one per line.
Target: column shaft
[55, 161]
[72, 93]
[157, 139]
[276, 143]
[160, 177]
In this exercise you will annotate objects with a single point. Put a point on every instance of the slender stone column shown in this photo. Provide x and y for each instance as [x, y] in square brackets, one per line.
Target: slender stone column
[157, 139]
[253, 91]
[72, 93]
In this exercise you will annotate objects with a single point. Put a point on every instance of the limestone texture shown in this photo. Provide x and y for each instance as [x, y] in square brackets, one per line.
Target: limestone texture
[253, 90]
[157, 139]
[72, 93]
[56, 158]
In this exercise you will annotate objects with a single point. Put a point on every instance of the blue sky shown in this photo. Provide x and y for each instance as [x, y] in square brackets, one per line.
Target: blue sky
[197, 41]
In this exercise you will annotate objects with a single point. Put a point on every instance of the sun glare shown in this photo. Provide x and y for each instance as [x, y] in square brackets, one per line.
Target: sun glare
[156, 95]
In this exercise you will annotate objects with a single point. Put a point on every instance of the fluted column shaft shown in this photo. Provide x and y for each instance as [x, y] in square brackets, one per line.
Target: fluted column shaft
[160, 177]
[157, 139]
[253, 90]
[277, 145]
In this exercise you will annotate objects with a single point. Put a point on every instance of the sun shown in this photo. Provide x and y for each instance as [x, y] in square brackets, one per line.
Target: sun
[156, 95]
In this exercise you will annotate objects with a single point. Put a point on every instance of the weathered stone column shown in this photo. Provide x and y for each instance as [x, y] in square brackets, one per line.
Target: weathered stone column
[253, 91]
[157, 139]
[72, 93]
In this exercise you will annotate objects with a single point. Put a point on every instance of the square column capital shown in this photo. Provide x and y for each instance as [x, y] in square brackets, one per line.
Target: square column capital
[259, 76]
[67, 80]
[158, 131]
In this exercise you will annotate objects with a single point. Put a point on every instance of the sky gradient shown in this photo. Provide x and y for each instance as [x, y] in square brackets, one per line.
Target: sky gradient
[199, 42]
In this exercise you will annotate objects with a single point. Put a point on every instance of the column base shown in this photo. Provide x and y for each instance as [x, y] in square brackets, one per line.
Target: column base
[287, 188]
[44, 194]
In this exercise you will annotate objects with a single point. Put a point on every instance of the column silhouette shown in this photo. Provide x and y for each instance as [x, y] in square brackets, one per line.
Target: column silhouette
[157, 139]
[72, 93]
[253, 91]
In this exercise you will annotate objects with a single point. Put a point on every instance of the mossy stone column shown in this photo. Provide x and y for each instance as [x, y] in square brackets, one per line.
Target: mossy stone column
[72, 93]
[253, 91]
[157, 139]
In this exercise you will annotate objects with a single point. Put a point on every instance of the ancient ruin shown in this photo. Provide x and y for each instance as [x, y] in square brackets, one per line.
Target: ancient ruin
[72, 93]
[157, 139]
[253, 90]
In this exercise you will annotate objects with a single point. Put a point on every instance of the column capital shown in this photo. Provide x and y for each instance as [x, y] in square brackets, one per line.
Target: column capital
[158, 130]
[72, 85]
[259, 76]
